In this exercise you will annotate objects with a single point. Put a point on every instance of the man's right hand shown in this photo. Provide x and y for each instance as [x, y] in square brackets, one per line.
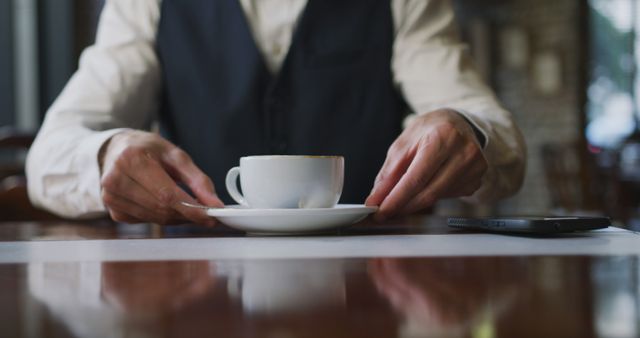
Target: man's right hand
[140, 172]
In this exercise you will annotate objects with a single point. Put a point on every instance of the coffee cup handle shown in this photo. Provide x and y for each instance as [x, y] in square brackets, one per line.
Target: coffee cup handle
[232, 186]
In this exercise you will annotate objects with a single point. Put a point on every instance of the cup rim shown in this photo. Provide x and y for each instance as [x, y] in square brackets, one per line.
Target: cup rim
[301, 157]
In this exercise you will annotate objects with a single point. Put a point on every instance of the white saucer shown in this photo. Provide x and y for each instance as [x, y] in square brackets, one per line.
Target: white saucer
[287, 221]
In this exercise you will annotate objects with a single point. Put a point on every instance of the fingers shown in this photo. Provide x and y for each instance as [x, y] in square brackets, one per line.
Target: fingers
[467, 165]
[392, 170]
[428, 159]
[195, 215]
[125, 187]
[141, 166]
[140, 170]
[444, 185]
[182, 168]
[125, 196]
[123, 218]
[124, 210]
[466, 186]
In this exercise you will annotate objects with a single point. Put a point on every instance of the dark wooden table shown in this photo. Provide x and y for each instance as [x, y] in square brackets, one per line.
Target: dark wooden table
[409, 278]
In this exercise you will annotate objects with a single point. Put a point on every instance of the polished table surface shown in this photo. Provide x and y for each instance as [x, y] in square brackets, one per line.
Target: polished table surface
[412, 277]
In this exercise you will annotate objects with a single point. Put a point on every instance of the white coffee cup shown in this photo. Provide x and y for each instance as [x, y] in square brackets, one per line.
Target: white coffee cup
[282, 181]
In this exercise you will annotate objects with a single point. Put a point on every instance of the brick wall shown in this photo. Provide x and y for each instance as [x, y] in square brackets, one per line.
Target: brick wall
[551, 27]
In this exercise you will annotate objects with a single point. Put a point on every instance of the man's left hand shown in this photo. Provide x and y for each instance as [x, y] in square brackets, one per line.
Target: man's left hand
[436, 156]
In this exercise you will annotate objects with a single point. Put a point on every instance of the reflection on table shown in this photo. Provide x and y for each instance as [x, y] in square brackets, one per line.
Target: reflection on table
[564, 296]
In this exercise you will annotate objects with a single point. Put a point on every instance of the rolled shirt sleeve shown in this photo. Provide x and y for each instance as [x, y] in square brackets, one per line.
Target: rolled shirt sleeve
[433, 70]
[115, 87]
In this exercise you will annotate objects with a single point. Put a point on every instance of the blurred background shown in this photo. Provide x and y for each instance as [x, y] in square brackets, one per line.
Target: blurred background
[567, 70]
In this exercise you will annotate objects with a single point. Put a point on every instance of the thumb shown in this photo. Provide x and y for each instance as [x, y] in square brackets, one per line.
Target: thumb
[183, 169]
[206, 193]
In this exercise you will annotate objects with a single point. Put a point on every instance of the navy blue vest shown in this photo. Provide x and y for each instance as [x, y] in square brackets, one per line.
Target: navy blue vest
[333, 96]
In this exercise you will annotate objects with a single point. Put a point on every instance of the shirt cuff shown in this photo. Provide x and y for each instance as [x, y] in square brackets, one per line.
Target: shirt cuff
[476, 126]
[481, 135]
[90, 181]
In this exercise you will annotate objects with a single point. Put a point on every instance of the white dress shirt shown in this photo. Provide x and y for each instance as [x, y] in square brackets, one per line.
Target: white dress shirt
[117, 86]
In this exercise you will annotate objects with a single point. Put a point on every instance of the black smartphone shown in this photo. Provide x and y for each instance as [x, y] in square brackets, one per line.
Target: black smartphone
[530, 225]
